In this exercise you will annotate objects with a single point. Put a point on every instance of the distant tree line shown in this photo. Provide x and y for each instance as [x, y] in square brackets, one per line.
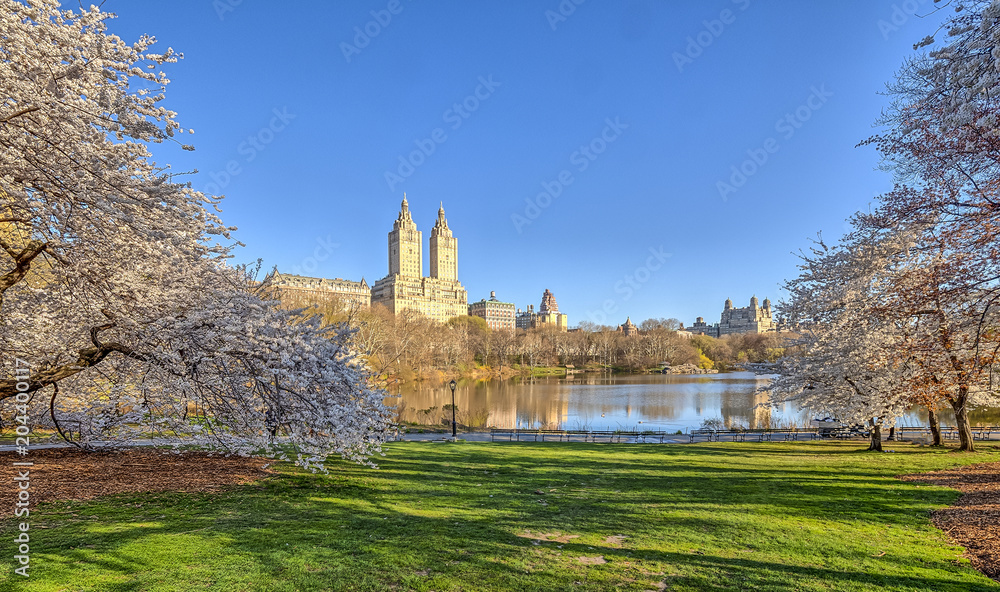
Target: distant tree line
[409, 344]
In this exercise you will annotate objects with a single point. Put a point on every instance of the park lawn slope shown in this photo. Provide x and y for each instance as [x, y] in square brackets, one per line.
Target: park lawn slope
[520, 517]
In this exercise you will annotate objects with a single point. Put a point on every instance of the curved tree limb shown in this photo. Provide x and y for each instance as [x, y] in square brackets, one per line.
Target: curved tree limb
[22, 263]
[19, 113]
[87, 358]
[55, 422]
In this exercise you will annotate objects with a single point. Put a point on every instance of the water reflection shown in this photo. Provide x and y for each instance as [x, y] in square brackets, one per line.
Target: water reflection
[602, 402]
[594, 401]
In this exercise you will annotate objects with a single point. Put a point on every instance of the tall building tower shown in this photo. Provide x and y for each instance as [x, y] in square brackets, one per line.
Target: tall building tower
[405, 244]
[548, 313]
[548, 302]
[439, 297]
[444, 250]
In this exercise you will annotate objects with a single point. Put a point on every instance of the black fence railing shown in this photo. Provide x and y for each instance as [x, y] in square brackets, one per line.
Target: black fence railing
[705, 435]
[607, 436]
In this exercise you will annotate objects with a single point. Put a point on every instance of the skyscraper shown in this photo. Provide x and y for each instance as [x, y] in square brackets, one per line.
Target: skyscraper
[406, 255]
[444, 250]
[439, 296]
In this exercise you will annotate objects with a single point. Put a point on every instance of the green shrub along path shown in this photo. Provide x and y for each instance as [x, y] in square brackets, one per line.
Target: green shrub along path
[519, 517]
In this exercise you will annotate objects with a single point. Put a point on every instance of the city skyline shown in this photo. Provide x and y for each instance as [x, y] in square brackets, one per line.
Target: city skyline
[427, 259]
[636, 141]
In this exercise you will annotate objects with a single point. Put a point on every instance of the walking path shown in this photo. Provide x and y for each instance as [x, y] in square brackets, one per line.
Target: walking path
[526, 436]
[661, 438]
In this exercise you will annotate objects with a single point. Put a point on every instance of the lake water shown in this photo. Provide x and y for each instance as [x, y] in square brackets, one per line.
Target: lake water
[603, 401]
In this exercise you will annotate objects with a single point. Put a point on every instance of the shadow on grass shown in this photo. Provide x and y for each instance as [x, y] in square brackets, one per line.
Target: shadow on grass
[450, 517]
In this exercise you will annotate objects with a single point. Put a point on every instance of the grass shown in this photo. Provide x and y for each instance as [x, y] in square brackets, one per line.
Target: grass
[539, 371]
[466, 516]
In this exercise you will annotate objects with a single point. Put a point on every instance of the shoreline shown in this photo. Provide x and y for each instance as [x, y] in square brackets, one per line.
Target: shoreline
[486, 373]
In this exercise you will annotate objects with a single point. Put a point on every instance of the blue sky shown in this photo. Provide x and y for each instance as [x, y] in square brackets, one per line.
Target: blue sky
[585, 148]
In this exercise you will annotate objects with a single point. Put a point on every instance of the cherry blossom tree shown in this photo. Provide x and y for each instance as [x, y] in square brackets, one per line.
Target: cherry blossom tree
[892, 324]
[942, 143]
[114, 282]
[952, 335]
[848, 365]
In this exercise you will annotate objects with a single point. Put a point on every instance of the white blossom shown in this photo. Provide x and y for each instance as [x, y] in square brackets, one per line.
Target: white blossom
[112, 284]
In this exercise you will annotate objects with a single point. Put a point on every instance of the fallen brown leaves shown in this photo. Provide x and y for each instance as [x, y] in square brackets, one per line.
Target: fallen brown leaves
[69, 474]
[974, 520]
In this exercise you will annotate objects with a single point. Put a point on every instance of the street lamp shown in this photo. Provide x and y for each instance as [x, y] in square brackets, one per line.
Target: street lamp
[454, 434]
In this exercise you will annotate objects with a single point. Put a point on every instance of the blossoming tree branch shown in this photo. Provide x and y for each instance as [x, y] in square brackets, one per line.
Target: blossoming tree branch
[115, 281]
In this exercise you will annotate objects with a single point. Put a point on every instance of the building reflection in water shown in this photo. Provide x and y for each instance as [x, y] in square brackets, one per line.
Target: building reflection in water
[601, 402]
[598, 402]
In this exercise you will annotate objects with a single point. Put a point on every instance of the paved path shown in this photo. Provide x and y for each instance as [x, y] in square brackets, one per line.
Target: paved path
[468, 437]
[526, 437]
[673, 439]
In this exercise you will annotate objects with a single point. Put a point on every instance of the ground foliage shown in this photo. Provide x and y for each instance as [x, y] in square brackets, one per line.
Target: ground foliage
[973, 521]
[63, 474]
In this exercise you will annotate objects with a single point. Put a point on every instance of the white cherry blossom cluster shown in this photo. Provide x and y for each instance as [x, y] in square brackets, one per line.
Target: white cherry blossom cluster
[114, 281]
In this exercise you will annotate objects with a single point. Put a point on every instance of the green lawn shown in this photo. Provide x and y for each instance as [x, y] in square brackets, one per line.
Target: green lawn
[465, 516]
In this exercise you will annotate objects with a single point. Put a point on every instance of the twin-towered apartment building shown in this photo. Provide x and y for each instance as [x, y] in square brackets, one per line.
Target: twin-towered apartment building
[439, 296]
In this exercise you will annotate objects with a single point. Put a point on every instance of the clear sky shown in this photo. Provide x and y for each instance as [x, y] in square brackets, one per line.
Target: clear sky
[585, 148]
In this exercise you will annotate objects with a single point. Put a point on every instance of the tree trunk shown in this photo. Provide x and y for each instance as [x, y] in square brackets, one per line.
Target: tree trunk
[935, 424]
[876, 433]
[962, 420]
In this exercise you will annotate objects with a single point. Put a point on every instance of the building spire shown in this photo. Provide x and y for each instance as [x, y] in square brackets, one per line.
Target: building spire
[442, 222]
[404, 209]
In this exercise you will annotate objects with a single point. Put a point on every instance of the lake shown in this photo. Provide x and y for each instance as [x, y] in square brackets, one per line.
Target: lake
[612, 402]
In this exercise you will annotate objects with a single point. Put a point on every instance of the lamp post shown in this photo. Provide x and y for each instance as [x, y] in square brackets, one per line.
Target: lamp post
[454, 434]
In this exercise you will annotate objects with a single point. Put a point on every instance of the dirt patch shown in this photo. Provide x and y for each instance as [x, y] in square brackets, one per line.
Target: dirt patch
[549, 537]
[69, 474]
[598, 560]
[974, 520]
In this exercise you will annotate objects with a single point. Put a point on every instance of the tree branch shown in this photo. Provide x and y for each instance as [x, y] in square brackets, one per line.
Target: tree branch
[51, 375]
[24, 111]
[22, 263]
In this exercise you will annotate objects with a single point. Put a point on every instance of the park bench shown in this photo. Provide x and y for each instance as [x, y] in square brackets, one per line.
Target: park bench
[723, 435]
[696, 435]
[539, 435]
[984, 432]
[947, 432]
[729, 436]
[796, 434]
